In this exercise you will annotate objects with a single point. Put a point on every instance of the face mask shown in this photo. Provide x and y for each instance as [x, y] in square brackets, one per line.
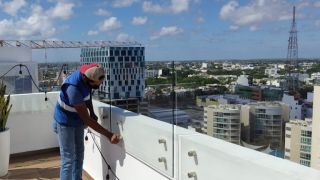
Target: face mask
[94, 86]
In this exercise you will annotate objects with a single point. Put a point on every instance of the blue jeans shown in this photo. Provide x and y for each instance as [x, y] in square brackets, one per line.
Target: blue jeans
[71, 142]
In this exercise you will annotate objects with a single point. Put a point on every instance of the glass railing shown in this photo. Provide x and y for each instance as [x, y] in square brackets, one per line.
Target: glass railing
[30, 122]
[161, 124]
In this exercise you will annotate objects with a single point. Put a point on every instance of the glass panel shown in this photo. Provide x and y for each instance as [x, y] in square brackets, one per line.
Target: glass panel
[141, 109]
[30, 122]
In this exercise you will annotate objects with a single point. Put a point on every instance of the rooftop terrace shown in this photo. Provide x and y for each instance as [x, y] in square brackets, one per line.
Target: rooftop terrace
[150, 149]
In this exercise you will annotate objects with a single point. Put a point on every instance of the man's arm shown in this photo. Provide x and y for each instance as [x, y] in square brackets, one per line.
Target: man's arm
[83, 113]
[90, 107]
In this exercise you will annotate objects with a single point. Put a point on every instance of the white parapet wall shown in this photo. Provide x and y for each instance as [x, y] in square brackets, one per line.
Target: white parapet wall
[150, 149]
[30, 122]
[186, 153]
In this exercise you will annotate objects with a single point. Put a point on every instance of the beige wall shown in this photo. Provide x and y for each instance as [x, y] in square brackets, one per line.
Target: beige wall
[245, 115]
[210, 122]
[315, 149]
[294, 145]
[285, 112]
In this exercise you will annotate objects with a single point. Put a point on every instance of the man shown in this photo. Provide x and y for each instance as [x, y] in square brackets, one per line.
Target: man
[71, 116]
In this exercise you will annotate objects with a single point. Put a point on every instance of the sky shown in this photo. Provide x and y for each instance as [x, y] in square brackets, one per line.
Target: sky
[169, 29]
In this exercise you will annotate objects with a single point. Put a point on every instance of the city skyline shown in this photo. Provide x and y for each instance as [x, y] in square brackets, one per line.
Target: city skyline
[169, 29]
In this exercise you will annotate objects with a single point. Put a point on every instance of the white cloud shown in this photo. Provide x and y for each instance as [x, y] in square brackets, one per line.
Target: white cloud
[38, 24]
[256, 12]
[92, 33]
[122, 37]
[176, 6]
[167, 31]
[200, 19]
[317, 23]
[102, 12]
[14, 6]
[154, 8]
[316, 4]
[63, 10]
[123, 3]
[253, 28]
[139, 20]
[302, 4]
[233, 28]
[179, 6]
[110, 24]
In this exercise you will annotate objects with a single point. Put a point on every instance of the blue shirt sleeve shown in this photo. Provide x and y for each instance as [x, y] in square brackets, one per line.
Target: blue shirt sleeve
[74, 95]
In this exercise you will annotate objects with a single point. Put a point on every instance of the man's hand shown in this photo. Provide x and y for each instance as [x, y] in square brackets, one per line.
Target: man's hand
[115, 138]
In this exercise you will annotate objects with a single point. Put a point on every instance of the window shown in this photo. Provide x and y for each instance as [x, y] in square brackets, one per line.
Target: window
[306, 133]
[305, 148]
[305, 140]
[287, 150]
[305, 163]
[305, 156]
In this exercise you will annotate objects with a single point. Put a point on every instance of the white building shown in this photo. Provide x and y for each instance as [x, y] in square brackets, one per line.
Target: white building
[309, 96]
[315, 75]
[151, 73]
[266, 122]
[315, 149]
[230, 66]
[303, 77]
[243, 80]
[223, 122]
[281, 66]
[247, 67]
[273, 82]
[124, 68]
[294, 106]
[204, 65]
[18, 83]
[298, 141]
[272, 72]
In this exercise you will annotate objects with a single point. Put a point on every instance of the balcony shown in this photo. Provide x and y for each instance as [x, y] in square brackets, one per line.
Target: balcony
[150, 149]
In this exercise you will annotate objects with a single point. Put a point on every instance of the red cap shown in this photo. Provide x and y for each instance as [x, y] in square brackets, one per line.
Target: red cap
[93, 71]
[85, 67]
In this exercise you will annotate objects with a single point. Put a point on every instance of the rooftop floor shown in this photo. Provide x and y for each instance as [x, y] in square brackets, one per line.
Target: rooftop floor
[44, 165]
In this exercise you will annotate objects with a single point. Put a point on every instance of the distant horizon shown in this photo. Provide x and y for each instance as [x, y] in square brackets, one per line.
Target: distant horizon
[218, 60]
